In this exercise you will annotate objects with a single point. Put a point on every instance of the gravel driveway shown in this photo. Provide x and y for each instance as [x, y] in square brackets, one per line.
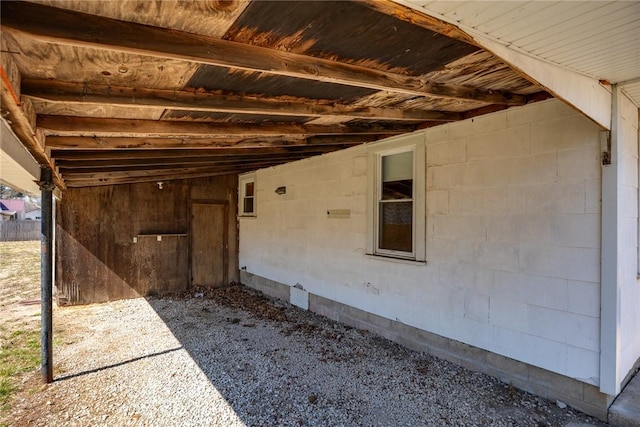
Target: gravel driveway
[232, 357]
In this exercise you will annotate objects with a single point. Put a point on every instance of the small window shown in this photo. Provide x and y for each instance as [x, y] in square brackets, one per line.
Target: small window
[395, 203]
[396, 194]
[248, 197]
[247, 193]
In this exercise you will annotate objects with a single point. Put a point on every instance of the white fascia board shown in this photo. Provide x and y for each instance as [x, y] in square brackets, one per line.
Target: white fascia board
[18, 169]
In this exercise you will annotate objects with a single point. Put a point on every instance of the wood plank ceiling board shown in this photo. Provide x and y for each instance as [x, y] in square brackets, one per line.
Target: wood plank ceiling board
[40, 60]
[482, 69]
[136, 91]
[207, 17]
[80, 109]
[77, 29]
[226, 80]
[348, 32]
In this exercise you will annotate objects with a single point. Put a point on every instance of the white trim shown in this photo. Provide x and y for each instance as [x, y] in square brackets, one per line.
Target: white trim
[416, 143]
[610, 261]
[243, 180]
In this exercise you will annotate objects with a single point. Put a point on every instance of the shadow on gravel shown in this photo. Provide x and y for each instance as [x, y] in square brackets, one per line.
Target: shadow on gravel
[115, 365]
[278, 365]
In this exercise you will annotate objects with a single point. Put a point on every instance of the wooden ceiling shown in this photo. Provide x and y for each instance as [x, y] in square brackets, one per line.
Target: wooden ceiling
[124, 91]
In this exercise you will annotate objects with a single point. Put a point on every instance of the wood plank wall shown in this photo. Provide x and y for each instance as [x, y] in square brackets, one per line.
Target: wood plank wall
[96, 258]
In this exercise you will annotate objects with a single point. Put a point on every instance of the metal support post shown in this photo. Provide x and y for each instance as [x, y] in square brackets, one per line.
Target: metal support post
[46, 274]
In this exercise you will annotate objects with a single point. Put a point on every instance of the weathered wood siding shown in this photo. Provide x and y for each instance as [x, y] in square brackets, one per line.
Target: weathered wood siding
[98, 261]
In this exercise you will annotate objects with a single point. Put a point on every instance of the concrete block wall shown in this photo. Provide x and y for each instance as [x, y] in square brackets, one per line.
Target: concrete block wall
[513, 237]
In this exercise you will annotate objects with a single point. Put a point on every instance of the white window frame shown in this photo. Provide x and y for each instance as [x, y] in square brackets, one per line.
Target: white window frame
[375, 152]
[243, 180]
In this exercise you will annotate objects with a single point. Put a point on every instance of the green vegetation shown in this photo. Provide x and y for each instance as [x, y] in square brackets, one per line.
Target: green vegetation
[19, 323]
[20, 352]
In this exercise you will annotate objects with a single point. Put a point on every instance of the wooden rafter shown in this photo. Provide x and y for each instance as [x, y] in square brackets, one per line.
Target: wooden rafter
[100, 179]
[79, 93]
[79, 29]
[219, 153]
[97, 127]
[110, 143]
[77, 183]
[157, 173]
[111, 172]
[70, 165]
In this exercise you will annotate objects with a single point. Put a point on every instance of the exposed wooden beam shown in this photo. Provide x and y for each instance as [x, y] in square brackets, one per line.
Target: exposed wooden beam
[55, 25]
[82, 179]
[20, 125]
[71, 171]
[98, 127]
[79, 183]
[146, 172]
[95, 155]
[79, 93]
[109, 143]
[65, 165]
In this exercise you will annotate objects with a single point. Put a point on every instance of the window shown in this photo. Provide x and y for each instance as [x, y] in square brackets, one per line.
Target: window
[395, 202]
[247, 195]
[396, 214]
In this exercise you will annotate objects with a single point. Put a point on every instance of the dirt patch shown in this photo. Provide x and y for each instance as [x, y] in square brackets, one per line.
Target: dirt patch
[19, 281]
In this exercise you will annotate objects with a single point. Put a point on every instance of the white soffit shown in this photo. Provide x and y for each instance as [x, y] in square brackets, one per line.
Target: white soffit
[18, 169]
[599, 39]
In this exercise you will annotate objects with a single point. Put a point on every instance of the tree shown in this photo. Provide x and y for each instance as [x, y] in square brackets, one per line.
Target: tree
[7, 192]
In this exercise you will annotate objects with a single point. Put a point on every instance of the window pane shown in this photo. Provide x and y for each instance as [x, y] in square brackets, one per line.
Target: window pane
[397, 176]
[248, 189]
[397, 189]
[395, 231]
[248, 205]
[396, 167]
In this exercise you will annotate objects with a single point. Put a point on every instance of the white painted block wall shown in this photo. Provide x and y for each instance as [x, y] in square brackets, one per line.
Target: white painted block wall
[513, 237]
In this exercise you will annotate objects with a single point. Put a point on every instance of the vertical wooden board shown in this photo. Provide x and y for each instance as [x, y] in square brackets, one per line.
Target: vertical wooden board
[223, 188]
[208, 245]
[162, 265]
[98, 261]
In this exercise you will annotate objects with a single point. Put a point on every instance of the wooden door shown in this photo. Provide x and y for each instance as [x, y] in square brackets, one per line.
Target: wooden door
[208, 244]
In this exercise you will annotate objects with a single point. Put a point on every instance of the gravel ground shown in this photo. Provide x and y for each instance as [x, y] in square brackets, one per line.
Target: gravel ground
[233, 357]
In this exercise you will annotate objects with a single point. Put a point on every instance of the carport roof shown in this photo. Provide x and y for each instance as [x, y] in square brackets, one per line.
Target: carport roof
[135, 91]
